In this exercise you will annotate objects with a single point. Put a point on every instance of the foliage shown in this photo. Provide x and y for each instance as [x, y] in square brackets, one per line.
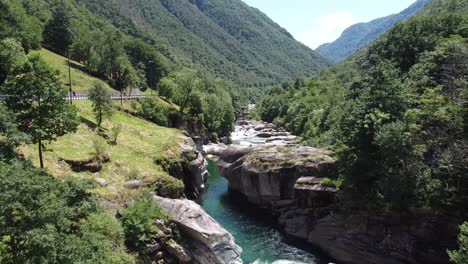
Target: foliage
[208, 101]
[139, 223]
[10, 136]
[12, 57]
[101, 101]
[48, 221]
[395, 113]
[115, 132]
[327, 182]
[226, 39]
[154, 64]
[37, 99]
[460, 256]
[100, 147]
[167, 88]
[58, 35]
[152, 109]
[16, 23]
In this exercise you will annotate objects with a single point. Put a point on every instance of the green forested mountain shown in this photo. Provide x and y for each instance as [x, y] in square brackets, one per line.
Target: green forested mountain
[359, 35]
[228, 39]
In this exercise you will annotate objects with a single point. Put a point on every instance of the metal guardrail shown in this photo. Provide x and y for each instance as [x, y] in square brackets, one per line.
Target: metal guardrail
[114, 97]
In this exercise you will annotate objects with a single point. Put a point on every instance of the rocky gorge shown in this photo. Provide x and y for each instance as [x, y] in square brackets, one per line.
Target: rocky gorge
[270, 169]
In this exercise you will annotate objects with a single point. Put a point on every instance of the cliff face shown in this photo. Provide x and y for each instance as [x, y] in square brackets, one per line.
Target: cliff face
[268, 174]
[207, 242]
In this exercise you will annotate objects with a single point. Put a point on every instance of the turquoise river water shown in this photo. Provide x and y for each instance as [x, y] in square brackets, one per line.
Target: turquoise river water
[253, 229]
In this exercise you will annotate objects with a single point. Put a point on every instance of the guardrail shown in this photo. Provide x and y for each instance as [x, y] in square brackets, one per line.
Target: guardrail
[114, 97]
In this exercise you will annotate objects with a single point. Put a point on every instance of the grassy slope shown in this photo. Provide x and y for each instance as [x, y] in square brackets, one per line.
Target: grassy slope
[139, 144]
[81, 81]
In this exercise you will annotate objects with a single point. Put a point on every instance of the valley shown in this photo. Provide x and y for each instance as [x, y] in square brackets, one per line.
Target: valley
[202, 132]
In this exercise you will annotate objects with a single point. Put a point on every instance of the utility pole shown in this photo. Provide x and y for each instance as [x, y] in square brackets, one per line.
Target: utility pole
[69, 78]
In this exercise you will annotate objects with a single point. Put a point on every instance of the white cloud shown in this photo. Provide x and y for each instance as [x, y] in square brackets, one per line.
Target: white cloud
[327, 29]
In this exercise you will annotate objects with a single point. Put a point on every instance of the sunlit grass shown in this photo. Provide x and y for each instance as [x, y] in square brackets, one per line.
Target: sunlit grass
[81, 81]
[140, 143]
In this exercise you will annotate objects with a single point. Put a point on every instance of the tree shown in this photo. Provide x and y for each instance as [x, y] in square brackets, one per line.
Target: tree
[125, 76]
[460, 256]
[102, 103]
[16, 23]
[11, 55]
[187, 82]
[37, 98]
[58, 34]
[154, 65]
[10, 136]
[167, 87]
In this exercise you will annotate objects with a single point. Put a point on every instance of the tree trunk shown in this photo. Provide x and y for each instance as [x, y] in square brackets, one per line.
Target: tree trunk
[99, 118]
[41, 161]
[121, 99]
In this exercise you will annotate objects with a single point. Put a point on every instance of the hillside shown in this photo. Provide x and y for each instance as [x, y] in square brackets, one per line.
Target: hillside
[81, 82]
[359, 35]
[132, 158]
[228, 39]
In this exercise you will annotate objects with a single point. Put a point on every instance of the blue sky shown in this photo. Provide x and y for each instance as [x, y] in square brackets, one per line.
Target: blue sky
[314, 22]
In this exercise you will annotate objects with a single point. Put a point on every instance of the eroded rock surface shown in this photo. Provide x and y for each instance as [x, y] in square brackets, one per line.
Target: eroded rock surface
[207, 241]
[265, 174]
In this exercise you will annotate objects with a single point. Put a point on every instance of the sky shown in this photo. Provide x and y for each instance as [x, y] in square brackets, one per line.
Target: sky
[314, 22]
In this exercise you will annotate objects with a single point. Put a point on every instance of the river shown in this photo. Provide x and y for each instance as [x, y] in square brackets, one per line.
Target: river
[253, 229]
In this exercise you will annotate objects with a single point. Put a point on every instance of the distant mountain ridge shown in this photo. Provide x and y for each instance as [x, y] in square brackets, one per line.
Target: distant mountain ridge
[226, 38]
[361, 34]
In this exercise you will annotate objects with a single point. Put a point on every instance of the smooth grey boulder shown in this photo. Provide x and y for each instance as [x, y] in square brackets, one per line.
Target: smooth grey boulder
[214, 149]
[207, 241]
[135, 184]
[233, 153]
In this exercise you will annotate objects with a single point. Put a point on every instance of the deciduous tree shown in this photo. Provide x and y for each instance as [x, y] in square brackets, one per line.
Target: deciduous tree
[38, 100]
[102, 103]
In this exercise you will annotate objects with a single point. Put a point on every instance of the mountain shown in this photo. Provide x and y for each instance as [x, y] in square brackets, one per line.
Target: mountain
[359, 35]
[227, 38]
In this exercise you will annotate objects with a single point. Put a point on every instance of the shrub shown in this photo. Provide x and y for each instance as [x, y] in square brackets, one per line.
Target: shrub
[44, 220]
[139, 223]
[460, 256]
[100, 148]
[153, 110]
[115, 132]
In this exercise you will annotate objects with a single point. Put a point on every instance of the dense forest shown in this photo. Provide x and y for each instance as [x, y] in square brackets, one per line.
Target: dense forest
[227, 39]
[395, 114]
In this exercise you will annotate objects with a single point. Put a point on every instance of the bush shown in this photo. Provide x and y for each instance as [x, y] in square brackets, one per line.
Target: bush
[152, 109]
[44, 220]
[327, 182]
[460, 256]
[100, 147]
[115, 132]
[139, 223]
